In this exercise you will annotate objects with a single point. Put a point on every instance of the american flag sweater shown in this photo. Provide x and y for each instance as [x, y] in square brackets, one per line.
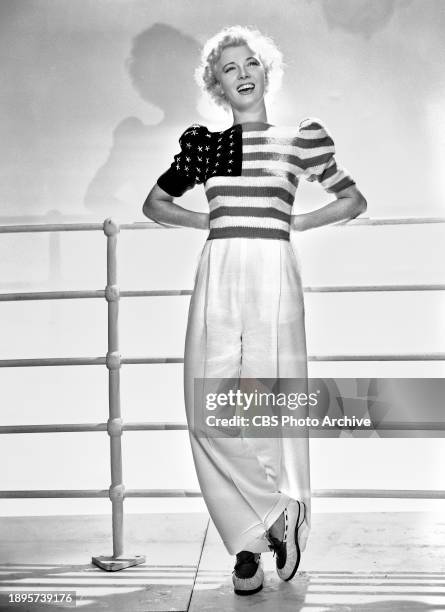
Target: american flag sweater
[251, 173]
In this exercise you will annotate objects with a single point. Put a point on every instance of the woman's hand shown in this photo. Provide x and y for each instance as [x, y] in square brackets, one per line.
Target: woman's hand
[349, 204]
[159, 207]
[204, 220]
[298, 222]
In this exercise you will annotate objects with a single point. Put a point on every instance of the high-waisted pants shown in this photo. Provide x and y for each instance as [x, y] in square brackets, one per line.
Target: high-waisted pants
[246, 319]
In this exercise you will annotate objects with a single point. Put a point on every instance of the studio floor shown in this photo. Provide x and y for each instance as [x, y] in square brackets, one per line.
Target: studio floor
[359, 561]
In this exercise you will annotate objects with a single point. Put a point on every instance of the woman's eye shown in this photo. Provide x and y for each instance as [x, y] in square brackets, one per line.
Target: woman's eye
[251, 63]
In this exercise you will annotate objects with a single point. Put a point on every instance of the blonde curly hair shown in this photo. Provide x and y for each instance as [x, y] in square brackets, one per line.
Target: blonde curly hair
[236, 36]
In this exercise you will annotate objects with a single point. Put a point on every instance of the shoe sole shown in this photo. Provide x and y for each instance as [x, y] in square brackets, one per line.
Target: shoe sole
[251, 592]
[297, 527]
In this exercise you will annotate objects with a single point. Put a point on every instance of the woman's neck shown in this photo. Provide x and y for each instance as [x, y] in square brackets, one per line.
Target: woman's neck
[254, 116]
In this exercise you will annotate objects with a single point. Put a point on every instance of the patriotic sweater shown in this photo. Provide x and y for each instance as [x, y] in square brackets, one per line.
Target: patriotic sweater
[251, 173]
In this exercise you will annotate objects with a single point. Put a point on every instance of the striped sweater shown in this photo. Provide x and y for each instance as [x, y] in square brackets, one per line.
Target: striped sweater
[251, 173]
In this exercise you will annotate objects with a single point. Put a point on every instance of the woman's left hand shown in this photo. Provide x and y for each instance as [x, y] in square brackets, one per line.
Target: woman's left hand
[297, 223]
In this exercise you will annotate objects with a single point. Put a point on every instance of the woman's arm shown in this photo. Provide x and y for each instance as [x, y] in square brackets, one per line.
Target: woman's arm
[159, 207]
[349, 204]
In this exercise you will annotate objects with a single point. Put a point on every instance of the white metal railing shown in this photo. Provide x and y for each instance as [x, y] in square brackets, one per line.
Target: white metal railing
[113, 361]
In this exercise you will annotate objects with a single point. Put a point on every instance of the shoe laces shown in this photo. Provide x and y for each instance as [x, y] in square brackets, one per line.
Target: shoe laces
[275, 544]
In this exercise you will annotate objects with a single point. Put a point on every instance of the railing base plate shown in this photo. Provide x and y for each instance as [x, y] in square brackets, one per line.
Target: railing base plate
[113, 564]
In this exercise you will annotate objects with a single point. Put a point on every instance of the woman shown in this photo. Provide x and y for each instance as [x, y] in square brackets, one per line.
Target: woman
[246, 315]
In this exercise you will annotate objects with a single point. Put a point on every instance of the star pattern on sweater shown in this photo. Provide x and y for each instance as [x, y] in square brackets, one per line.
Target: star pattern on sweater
[205, 154]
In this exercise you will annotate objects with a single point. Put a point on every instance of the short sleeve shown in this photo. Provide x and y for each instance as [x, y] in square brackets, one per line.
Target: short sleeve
[319, 163]
[185, 171]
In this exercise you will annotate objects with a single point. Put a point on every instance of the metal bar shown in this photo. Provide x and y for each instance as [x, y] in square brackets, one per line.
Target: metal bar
[50, 227]
[71, 227]
[100, 293]
[357, 221]
[172, 426]
[82, 427]
[113, 362]
[390, 221]
[155, 292]
[63, 427]
[381, 493]
[162, 493]
[354, 288]
[51, 361]
[63, 361]
[149, 493]
[306, 289]
[364, 357]
[381, 357]
[61, 493]
[51, 295]
[135, 360]
[76, 227]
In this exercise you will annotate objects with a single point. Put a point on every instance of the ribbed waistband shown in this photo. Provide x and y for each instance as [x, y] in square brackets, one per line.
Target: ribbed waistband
[248, 232]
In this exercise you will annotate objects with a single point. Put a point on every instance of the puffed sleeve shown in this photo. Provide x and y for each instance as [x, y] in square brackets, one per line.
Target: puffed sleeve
[319, 163]
[186, 169]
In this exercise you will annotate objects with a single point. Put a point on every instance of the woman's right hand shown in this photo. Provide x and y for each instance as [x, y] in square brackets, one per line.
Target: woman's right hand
[205, 219]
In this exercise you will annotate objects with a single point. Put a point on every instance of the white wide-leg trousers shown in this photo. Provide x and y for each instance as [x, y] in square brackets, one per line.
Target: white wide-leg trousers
[246, 320]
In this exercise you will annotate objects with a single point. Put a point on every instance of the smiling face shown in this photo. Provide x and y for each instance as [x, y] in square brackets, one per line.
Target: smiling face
[242, 77]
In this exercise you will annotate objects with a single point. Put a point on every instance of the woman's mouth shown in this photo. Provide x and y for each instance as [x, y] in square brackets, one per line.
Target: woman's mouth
[245, 88]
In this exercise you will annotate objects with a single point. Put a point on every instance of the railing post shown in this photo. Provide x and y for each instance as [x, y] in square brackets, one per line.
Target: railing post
[114, 426]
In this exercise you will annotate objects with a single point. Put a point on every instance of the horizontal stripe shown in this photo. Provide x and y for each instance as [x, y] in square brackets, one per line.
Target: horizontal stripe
[275, 168]
[313, 143]
[316, 163]
[332, 175]
[249, 203]
[289, 147]
[278, 173]
[305, 154]
[347, 181]
[250, 179]
[322, 157]
[268, 156]
[251, 191]
[330, 170]
[268, 140]
[246, 232]
[245, 211]
[266, 222]
[297, 141]
[287, 132]
[290, 154]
